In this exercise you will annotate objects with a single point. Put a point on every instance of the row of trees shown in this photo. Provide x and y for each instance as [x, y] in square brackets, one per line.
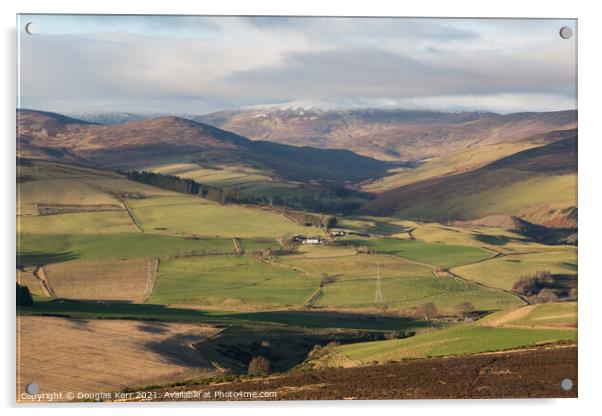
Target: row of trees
[229, 195]
[190, 186]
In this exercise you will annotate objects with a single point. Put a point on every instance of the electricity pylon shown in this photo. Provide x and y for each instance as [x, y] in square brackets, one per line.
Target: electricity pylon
[378, 294]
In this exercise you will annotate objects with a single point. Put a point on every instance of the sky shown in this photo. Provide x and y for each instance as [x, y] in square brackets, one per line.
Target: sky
[200, 64]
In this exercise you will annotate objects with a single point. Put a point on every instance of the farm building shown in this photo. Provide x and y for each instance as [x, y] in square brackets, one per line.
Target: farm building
[313, 240]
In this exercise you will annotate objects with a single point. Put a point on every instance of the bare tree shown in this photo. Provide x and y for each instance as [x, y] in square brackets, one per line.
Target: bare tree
[465, 308]
[427, 310]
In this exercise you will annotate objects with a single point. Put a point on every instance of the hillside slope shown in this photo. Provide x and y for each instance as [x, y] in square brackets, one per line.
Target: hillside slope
[538, 184]
[387, 134]
[144, 143]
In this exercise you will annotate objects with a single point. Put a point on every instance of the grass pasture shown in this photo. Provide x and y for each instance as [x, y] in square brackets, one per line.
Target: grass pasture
[230, 283]
[542, 316]
[412, 292]
[491, 195]
[503, 272]
[390, 227]
[43, 182]
[455, 340]
[405, 285]
[250, 245]
[496, 239]
[245, 179]
[460, 161]
[46, 249]
[189, 215]
[106, 222]
[115, 280]
[353, 266]
[435, 254]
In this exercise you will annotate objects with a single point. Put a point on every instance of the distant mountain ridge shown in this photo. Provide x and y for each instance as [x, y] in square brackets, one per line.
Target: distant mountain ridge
[143, 143]
[113, 117]
[388, 134]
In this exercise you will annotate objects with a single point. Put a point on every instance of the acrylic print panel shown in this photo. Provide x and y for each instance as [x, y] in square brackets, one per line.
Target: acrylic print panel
[285, 208]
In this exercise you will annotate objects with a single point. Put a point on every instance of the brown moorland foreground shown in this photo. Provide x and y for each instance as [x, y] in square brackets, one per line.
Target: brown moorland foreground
[80, 355]
[529, 373]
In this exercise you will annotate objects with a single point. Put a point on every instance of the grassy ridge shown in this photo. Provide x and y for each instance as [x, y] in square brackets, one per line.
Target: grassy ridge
[192, 216]
[534, 184]
[56, 183]
[463, 160]
[463, 339]
[539, 324]
[245, 179]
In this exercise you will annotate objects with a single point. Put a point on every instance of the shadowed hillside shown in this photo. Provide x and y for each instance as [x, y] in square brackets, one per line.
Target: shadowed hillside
[387, 134]
[143, 143]
[538, 184]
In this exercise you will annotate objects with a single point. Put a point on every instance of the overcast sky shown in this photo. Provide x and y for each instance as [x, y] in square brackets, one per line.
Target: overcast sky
[197, 65]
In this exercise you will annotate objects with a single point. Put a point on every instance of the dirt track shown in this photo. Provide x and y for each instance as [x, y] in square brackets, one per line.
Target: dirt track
[522, 374]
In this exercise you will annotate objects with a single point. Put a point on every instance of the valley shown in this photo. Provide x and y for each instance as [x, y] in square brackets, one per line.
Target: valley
[318, 256]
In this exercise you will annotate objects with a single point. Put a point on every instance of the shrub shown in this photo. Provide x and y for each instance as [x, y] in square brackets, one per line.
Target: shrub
[259, 366]
[427, 310]
[532, 284]
[23, 296]
[326, 279]
[465, 308]
[363, 250]
[545, 296]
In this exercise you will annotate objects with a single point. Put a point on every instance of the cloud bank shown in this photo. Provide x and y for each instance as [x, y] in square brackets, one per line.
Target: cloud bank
[196, 65]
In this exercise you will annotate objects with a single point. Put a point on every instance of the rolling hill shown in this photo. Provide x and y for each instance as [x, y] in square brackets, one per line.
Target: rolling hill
[538, 184]
[143, 143]
[388, 134]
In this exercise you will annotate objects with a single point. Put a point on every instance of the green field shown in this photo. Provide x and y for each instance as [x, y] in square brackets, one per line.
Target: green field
[551, 313]
[503, 272]
[247, 180]
[405, 285]
[55, 183]
[346, 266]
[496, 239]
[412, 292]
[503, 330]
[77, 223]
[229, 282]
[385, 226]
[545, 315]
[553, 192]
[189, 215]
[249, 245]
[44, 249]
[435, 254]
[462, 339]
